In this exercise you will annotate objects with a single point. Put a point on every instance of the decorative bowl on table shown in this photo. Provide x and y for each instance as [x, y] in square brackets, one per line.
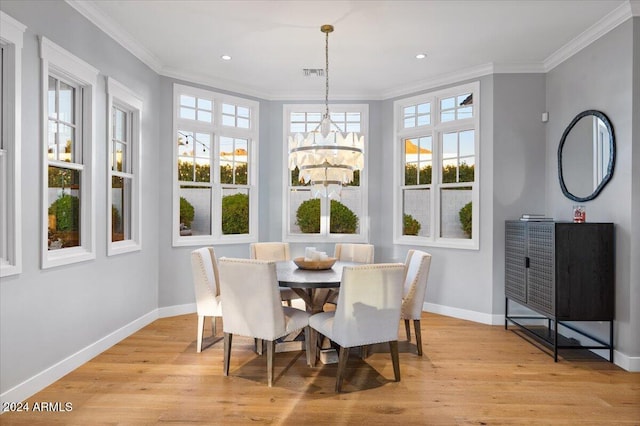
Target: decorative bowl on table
[314, 264]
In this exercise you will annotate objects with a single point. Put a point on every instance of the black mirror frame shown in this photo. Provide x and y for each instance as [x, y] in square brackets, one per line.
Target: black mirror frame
[612, 158]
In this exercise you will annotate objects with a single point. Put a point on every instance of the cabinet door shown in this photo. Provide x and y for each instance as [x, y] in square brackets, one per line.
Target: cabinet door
[540, 276]
[515, 273]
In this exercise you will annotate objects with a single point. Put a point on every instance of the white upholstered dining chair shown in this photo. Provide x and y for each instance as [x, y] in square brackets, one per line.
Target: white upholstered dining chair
[367, 312]
[274, 251]
[204, 269]
[252, 308]
[362, 253]
[417, 267]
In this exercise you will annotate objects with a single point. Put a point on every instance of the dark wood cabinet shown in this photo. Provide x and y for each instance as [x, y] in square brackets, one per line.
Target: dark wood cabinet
[563, 271]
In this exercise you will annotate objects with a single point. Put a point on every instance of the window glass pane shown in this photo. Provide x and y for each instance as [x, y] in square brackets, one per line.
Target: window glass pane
[119, 125]
[314, 117]
[467, 170]
[304, 215]
[448, 103]
[424, 108]
[353, 127]
[447, 116]
[410, 111]
[233, 160]
[188, 101]
[202, 147]
[51, 98]
[415, 212]
[195, 211]
[120, 208]
[66, 143]
[226, 159]
[467, 143]
[205, 104]
[228, 120]
[298, 116]
[353, 117]
[120, 151]
[66, 101]
[409, 122]
[243, 123]
[188, 113]
[424, 120]
[235, 211]
[228, 109]
[466, 99]
[449, 145]
[243, 112]
[450, 171]
[63, 195]
[241, 172]
[465, 112]
[204, 116]
[297, 128]
[344, 214]
[52, 145]
[455, 212]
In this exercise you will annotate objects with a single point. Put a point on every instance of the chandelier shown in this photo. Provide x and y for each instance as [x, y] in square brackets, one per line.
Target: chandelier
[325, 157]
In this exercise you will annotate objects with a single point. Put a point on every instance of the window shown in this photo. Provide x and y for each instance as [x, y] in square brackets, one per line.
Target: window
[216, 151]
[324, 219]
[436, 168]
[124, 199]
[10, 142]
[68, 110]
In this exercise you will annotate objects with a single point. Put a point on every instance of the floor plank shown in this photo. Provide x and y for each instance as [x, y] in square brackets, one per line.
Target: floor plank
[470, 374]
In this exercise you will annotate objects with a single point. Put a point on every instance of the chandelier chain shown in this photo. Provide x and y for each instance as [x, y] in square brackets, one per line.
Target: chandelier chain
[326, 73]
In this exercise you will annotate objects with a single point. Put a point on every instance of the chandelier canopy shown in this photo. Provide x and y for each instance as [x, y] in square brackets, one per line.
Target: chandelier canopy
[325, 157]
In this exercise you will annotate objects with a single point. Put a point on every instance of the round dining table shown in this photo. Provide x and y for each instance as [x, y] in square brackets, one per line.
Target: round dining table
[314, 286]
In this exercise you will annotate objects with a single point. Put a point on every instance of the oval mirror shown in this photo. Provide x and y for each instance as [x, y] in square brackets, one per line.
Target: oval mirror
[586, 156]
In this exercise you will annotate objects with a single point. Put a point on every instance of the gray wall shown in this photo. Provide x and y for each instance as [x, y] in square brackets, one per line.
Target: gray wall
[48, 315]
[601, 77]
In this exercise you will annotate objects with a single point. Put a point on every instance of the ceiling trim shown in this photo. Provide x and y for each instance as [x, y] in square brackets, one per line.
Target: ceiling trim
[116, 32]
[593, 33]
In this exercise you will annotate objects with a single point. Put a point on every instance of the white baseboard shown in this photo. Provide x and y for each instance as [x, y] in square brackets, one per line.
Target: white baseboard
[174, 311]
[480, 317]
[43, 379]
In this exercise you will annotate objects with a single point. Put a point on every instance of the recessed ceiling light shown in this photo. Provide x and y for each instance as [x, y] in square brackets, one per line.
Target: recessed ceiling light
[225, 57]
[421, 55]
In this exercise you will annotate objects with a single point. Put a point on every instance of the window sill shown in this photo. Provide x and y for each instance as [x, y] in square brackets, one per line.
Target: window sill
[68, 256]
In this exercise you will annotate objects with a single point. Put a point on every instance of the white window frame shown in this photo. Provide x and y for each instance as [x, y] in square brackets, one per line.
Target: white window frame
[122, 97]
[11, 38]
[325, 235]
[216, 129]
[59, 62]
[436, 129]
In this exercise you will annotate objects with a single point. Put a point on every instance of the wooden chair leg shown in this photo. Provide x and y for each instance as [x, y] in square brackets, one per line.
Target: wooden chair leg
[395, 359]
[416, 327]
[214, 327]
[407, 328]
[364, 351]
[343, 356]
[227, 352]
[309, 346]
[271, 348]
[200, 333]
[258, 346]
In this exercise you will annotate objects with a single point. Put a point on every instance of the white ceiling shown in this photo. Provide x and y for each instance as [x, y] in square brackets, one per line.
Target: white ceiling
[372, 50]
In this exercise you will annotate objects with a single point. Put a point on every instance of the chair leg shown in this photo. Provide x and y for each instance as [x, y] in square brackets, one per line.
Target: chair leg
[258, 345]
[271, 348]
[364, 351]
[395, 359]
[309, 346]
[214, 328]
[227, 352]
[407, 328]
[200, 333]
[416, 327]
[343, 356]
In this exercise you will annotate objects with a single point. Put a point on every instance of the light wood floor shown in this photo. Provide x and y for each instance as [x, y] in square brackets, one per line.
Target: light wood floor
[470, 374]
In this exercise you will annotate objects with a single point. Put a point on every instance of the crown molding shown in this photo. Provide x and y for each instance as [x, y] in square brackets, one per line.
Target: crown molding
[612, 20]
[116, 32]
[441, 80]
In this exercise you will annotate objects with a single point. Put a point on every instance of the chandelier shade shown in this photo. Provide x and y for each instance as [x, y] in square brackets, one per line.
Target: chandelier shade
[325, 157]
